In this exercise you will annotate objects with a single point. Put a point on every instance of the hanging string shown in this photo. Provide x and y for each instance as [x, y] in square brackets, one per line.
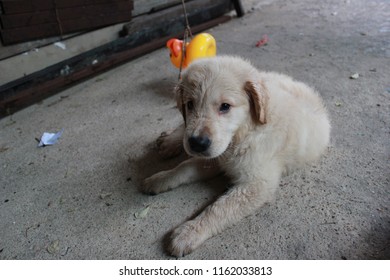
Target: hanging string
[188, 28]
[58, 19]
[187, 33]
[183, 51]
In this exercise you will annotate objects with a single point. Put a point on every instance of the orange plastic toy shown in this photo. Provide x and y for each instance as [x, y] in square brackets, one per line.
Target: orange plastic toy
[202, 45]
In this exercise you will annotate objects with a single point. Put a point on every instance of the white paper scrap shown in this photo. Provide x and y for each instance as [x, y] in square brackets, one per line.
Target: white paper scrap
[49, 138]
[60, 45]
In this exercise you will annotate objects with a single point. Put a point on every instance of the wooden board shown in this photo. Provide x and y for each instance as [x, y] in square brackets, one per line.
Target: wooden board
[171, 20]
[25, 19]
[62, 19]
[21, 34]
[28, 6]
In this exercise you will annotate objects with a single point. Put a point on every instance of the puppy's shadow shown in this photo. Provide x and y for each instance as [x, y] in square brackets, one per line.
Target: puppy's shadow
[151, 162]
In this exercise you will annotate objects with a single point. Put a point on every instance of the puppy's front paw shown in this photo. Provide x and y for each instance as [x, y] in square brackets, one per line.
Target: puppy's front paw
[169, 145]
[155, 184]
[186, 238]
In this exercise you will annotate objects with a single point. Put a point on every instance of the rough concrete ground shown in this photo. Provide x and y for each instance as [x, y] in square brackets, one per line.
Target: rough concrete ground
[78, 198]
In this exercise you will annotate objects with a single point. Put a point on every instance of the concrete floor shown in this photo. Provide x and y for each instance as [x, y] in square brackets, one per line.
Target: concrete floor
[78, 198]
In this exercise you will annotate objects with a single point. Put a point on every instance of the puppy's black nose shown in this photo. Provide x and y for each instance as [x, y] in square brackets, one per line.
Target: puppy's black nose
[199, 143]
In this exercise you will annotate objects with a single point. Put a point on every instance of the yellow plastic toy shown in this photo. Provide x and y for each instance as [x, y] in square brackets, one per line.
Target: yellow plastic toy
[202, 45]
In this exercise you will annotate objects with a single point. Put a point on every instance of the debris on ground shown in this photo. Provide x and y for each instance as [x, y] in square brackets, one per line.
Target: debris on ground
[60, 45]
[142, 213]
[54, 247]
[49, 138]
[354, 76]
[263, 41]
[3, 148]
[104, 195]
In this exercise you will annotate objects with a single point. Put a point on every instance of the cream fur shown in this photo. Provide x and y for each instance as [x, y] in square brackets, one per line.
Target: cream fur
[274, 124]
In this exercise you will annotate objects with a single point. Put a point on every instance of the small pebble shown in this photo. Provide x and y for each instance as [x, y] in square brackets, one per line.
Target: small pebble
[54, 247]
[354, 76]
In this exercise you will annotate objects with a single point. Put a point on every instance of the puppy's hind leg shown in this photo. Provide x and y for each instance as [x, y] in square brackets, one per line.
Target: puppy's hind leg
[171, 144]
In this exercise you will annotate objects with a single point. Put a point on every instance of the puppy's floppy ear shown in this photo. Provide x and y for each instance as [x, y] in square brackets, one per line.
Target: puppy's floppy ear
[179, 100]
[258, 99]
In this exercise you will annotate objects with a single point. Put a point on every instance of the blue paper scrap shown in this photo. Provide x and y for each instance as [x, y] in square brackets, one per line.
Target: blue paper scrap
[49, 138]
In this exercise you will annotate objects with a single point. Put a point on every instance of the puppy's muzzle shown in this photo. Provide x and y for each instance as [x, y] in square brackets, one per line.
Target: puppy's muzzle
[199, 144]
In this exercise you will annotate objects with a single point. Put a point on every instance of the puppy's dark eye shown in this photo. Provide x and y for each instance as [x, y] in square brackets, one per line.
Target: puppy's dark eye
[224, 108]
[190, 105]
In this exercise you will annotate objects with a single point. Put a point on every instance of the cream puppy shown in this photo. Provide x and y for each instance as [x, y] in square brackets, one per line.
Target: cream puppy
[253, 126]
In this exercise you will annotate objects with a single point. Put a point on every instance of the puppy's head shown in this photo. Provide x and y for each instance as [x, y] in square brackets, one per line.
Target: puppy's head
[218, 96]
